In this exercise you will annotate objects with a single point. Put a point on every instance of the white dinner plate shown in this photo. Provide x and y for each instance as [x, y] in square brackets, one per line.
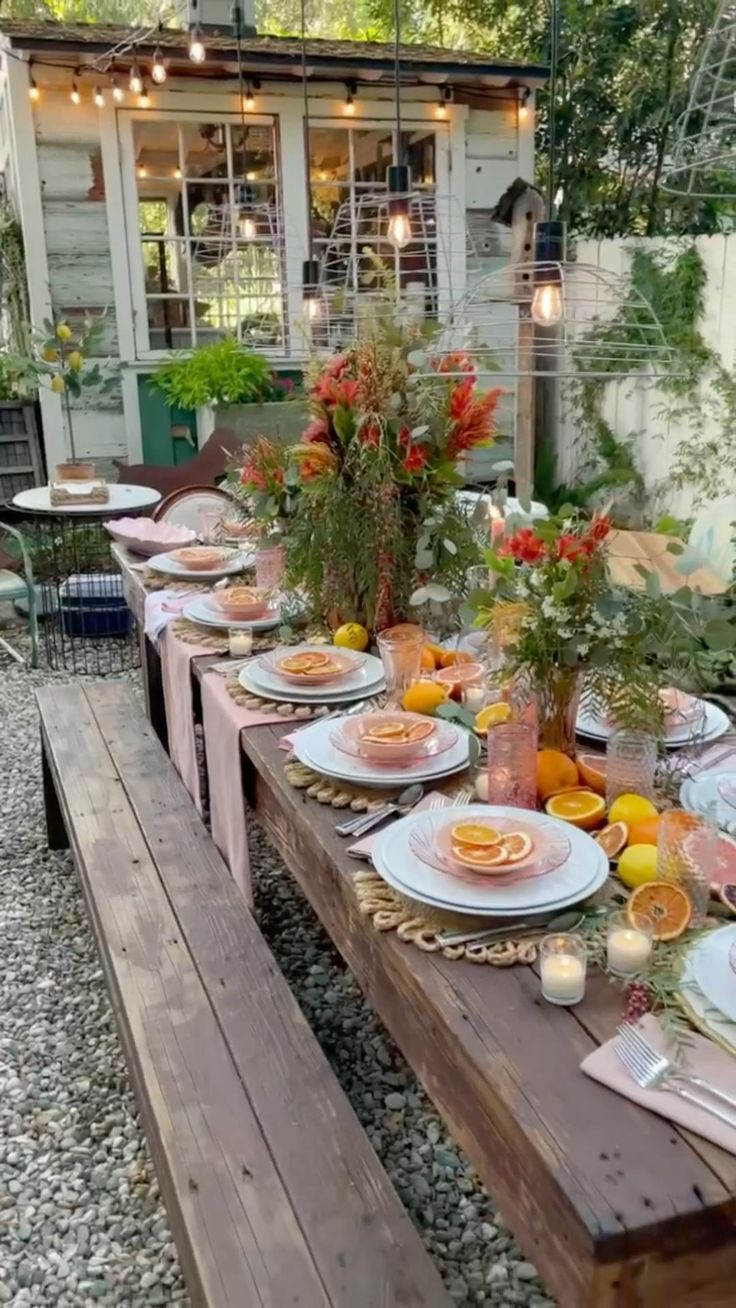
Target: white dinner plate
[164, 563]
[583, 872]
[713, 971]
[700, 795]
[366, 680]
[314, 748]
[198, 610]
[718, 1027]
[715, 724]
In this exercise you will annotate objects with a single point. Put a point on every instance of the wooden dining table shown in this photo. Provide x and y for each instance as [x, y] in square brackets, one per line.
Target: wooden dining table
[615, 1206]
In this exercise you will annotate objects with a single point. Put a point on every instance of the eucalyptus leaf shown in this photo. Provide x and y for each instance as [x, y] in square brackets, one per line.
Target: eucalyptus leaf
[675, 547]
[504, 465]
[440, 594]
[480, 599]
[449, 711]
[417, 432]
[449, 545]
[653, 586]
[417, 358]
[423, 559]
[420, 596]
[720, 634]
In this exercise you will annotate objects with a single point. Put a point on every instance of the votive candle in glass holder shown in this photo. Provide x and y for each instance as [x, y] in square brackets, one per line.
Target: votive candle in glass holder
[629, 943]
[400, 649]
[631, 761]
[512, 764]
[240, 643]
[563, 965]
[687, 849]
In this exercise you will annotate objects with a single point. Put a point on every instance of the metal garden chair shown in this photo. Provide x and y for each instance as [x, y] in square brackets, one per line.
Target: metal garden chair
[14, 586]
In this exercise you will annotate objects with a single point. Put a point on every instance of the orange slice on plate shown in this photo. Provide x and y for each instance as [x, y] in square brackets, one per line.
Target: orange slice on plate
[518, 845]
[582, 808]
[320, 669]
[475, 834]
[308, 661]
[390, 731]
[418, 731]
[665, 903]
[612, 838]
[493, 856]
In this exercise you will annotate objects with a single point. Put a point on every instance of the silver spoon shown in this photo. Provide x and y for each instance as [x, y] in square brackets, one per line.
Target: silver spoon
[365, 822]
[567, 921]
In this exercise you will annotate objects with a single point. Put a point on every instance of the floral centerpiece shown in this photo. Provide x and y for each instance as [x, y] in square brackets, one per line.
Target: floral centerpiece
[376, 512]
[265, 487]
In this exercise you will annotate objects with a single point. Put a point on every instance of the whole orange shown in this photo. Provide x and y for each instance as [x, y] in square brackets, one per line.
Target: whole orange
[644, 832]
[451, 657]
[555, 772]
[427, 661]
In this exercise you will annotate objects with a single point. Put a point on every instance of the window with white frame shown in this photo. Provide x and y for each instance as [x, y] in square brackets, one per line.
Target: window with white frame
[210, 231]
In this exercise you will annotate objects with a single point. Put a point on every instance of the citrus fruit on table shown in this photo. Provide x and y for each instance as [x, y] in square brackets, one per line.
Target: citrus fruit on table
[582, 808]
[644, 832]
[475, 833]
[555, 772]
[491, 715]
[493, 856]
[592, 769]
[665, 903]
[612, 838]
[637, 865]
[630, 808]
[427, 660]
[351, 636]
[517, 845]
[449, 658]
[424, 697]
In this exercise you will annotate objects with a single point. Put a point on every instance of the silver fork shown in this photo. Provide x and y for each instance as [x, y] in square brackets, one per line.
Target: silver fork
[664, 1067]
[642, 1074]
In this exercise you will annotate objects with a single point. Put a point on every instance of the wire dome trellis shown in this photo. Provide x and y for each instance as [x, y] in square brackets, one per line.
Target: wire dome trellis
[607, 329]
[364, 277]
[243, 246]
[703, 163]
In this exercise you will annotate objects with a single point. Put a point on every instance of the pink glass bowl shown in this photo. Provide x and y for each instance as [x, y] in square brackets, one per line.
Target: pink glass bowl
[145, 537]
[432, 843]
[349, 736]
[344, 663]
[241, 603]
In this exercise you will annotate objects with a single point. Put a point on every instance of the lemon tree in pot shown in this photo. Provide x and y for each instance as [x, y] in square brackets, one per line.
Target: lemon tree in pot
[228, 386]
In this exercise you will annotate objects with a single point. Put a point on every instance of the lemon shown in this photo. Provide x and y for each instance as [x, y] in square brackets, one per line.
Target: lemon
[49, 354]
[637, 865]
[491, 715]
[63, 332]
[424, 697]
[75, 360]
[351, 636]
[630, 809]
[57, 385]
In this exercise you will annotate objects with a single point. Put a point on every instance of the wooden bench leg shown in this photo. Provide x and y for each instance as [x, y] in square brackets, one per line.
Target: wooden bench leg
[56, 833]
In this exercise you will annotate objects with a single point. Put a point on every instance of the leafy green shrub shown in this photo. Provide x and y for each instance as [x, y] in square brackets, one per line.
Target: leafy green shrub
[223, 373]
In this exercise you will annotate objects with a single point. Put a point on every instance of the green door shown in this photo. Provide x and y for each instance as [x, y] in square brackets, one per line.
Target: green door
[169, 435]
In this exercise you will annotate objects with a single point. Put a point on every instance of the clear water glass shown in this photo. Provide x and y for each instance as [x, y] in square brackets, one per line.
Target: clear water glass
[512, 764]
[400, 649]
[631, 762]
[687, 848]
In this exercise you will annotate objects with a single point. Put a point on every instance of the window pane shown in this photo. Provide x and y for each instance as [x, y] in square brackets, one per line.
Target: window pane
[164, 264]
[169, 326]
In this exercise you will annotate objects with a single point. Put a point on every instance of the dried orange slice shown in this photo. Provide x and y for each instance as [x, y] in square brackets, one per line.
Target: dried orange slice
[417, 731]
[518, 845]
[305, 662]
[582, 808]
[319, 669]
[493, 856]
[613, 838]
[665, 903]
[386, 731]
[477, 834]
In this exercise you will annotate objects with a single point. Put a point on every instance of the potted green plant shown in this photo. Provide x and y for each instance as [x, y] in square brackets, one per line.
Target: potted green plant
[229, 387]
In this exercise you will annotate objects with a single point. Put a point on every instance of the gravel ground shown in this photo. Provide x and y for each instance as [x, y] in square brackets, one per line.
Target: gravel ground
[81, 1222]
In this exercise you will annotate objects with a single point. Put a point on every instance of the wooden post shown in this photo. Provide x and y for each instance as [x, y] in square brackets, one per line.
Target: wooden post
[527, 211]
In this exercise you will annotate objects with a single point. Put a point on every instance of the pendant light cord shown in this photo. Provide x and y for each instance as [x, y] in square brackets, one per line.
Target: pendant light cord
[307, 154]
[552, 117]
[398, 153]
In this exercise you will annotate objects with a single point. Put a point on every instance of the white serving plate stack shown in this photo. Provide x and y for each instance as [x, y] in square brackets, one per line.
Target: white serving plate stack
[261, 680]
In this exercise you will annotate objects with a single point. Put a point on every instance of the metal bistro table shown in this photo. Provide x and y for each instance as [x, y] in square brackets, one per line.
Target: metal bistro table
[86, 625]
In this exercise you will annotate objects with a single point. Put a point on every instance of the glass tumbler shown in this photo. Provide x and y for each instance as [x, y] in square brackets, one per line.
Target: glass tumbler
[400, 649]
[687, 847]
[269, 567]
[631, 761]
[512, 764]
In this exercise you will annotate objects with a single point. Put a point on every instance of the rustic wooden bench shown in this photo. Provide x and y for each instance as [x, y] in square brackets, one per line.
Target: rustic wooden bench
[274, 1194]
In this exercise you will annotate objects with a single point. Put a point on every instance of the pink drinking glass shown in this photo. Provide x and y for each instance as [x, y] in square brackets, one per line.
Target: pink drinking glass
[401, 652]
[512, 764]
[269, 567]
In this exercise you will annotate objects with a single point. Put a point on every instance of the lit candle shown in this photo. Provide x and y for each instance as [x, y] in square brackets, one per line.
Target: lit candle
[241, 644]
[474, 697]
[562, 967]
[629, 944]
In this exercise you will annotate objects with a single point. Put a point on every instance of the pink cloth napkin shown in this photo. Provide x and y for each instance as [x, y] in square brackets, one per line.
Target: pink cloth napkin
[223, 722]
[701, 1057]
[176, 658]
[364, 848]
[161, 607]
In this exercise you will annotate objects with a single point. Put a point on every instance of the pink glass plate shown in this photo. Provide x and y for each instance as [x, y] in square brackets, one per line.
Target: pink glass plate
[433, 845]
[146, 537]
[727, 790]
[347, 660]
[238, 612]
[347, 737]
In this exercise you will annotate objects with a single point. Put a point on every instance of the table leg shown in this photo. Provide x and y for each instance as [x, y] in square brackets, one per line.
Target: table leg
[56, 835]
[153, 687]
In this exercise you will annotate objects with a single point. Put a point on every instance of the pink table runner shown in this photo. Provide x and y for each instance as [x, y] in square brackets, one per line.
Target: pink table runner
[223, 722]
[176, 659]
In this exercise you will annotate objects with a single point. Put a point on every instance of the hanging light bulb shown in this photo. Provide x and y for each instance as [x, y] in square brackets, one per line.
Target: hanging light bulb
[33, 92]
[247, 227]
[547, 305]
[142, 171]
[158, 67]
[524, 105]
[135, 81]
[144, 99]
[178, 174]
[399, 223]
[441, 109]
[197, 52]
[249, 100]
[312, 302]
[99, 98]
[74, 95]
[349, 105]
[118, 94]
